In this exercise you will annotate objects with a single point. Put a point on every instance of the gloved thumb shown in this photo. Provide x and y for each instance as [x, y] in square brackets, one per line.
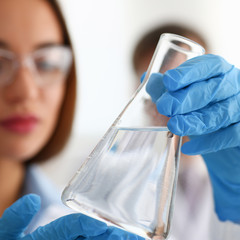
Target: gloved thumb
[16, 218]
[155, 86]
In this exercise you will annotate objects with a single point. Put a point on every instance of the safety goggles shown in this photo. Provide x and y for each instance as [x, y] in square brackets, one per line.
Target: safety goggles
[48, 65]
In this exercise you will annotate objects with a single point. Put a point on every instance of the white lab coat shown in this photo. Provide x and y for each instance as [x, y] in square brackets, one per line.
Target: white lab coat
[193, 204]
[193, 218]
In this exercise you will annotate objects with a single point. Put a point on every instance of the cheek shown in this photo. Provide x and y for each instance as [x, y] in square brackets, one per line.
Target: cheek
[52, 103]
[22, 147]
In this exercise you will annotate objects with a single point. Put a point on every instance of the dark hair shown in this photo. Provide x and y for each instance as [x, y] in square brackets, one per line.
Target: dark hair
[149, 41]
[64, 125]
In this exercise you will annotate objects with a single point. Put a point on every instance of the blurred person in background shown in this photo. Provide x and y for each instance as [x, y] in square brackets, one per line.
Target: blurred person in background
[37, 101]
[194, 216]
[193, 204]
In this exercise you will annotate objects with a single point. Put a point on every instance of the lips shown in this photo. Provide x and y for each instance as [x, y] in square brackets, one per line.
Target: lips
[20, 124]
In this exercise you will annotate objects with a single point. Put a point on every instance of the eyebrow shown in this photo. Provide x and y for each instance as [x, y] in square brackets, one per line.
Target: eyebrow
[5, 45]
[47, 44]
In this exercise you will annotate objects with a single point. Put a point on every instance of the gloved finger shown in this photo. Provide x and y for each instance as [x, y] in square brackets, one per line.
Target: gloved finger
[16, 218]
[195, 70]
[200, 94]
[222, 139]
[69, 227]
[116, 234]
[155, 87]
[208, 119]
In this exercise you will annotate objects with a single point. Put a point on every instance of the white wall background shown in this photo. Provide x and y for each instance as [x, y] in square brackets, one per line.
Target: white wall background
[104, 33]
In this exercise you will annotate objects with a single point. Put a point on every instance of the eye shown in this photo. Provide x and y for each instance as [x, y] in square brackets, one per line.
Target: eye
[5, 65]
[2, 62]
[46, 66]
[1, 65]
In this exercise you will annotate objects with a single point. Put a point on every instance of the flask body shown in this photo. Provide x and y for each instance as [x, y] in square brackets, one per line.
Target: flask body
[129, 179]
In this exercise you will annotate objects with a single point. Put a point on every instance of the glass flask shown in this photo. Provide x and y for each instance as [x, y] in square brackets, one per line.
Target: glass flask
[129, 179]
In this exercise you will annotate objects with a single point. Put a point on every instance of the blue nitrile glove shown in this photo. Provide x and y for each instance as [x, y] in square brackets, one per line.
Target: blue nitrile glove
[116, 234]
[202, 99]
[16, 218]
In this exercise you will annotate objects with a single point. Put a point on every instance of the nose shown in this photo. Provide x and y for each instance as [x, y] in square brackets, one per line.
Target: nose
[22, 88]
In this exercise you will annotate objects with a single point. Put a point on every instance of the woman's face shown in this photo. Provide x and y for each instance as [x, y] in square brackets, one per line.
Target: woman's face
[28, 112]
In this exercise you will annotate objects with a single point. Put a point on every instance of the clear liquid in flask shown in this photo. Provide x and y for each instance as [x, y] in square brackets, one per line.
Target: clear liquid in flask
[128, 180]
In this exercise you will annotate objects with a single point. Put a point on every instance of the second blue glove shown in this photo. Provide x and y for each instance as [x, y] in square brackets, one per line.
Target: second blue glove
[202, 98]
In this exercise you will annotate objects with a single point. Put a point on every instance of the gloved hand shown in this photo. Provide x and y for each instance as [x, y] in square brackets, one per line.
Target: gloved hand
[202, 99]
[16, 218]
[116, 234]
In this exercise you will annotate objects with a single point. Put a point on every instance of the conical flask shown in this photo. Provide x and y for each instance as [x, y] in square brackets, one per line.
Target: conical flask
[129, 179]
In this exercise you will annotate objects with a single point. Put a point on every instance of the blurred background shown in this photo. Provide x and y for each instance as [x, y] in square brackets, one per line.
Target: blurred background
[104, 35]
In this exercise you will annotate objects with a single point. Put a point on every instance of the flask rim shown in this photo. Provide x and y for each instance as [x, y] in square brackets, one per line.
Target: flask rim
[194, 46]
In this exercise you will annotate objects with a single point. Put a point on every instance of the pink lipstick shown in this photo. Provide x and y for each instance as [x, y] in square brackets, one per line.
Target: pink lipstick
[20, 124]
